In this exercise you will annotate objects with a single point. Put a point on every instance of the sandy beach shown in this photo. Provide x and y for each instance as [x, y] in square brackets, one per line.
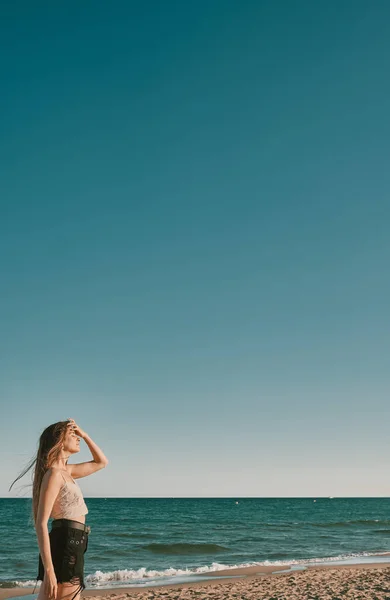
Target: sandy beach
[369, 582]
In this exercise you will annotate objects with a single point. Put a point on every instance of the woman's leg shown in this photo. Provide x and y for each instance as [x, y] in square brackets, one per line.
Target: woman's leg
[65, 591]
[41, 594]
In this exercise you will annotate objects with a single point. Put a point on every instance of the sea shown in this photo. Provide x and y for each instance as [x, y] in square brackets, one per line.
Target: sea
[152, 541]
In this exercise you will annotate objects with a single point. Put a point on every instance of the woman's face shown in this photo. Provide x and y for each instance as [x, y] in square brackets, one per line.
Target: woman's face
[71, 441]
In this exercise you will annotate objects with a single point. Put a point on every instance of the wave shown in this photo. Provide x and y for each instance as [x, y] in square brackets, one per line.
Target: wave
[349, 523]
[123, 534]
[302, 524]
[101, 579]
[183, 548]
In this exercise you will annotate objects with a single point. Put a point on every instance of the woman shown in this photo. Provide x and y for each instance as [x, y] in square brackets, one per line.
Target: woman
[56, 495]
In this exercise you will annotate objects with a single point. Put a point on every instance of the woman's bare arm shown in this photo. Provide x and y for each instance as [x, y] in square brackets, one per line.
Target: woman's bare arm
[50, 487]
[96, 452]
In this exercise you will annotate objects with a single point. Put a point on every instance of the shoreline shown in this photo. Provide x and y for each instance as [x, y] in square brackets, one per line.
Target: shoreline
[248, 580]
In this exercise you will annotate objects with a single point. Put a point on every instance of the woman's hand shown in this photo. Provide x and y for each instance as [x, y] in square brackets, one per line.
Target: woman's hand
[50, 581]
[75, 428]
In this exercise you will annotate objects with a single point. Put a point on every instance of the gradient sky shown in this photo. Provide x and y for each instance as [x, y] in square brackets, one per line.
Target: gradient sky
[194, 243]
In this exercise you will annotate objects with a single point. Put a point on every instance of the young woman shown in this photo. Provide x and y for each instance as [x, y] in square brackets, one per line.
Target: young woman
[56, 495]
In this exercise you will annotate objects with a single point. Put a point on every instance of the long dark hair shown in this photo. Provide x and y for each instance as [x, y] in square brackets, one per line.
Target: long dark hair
[49, 449]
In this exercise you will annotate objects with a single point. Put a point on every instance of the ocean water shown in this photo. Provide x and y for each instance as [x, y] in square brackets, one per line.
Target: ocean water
[144, 541]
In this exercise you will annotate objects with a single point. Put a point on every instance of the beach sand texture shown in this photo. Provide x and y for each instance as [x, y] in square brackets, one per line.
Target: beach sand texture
[355, 582]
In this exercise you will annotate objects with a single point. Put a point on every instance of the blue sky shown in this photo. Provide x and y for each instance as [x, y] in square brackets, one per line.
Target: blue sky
[194, 243]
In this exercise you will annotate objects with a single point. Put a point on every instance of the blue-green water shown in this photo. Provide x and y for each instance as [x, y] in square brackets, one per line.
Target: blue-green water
[134, 541]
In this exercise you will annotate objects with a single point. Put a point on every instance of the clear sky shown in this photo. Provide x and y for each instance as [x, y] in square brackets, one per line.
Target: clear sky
[194, 243]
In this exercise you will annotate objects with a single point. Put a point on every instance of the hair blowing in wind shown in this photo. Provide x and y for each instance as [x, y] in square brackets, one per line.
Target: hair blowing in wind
[50, 443]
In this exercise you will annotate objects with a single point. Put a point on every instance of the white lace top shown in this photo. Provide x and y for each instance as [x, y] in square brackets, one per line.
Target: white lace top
[69, 503]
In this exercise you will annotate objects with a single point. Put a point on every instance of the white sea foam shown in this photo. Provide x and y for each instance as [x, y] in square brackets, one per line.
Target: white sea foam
[144, 576]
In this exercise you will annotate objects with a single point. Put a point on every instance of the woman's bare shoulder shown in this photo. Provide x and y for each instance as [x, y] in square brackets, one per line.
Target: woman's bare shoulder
[54, 472]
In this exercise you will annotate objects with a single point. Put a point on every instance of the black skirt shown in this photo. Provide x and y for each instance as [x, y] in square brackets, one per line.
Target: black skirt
[68, 546]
